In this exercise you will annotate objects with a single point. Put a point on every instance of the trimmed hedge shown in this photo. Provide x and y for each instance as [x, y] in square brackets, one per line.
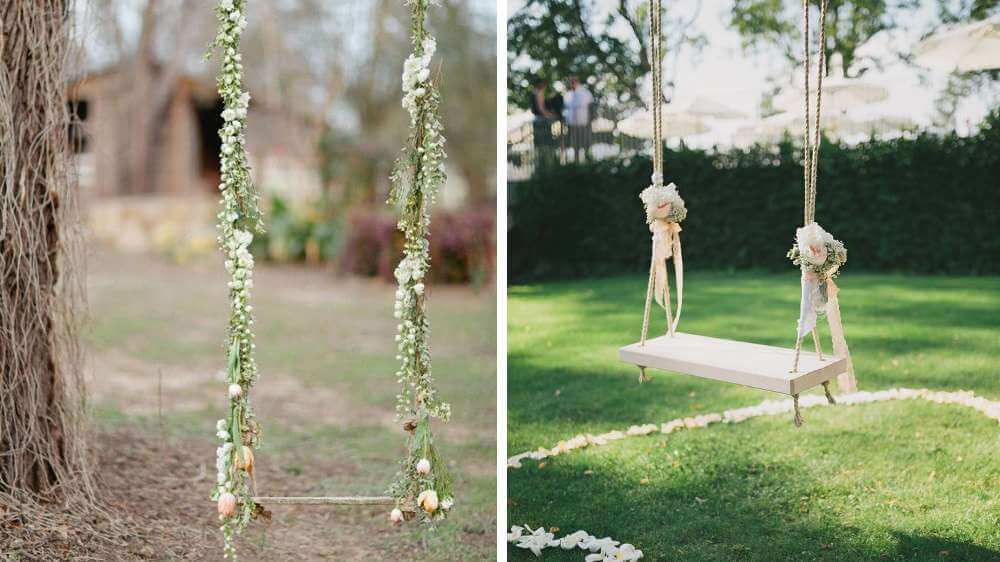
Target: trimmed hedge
[924, 205]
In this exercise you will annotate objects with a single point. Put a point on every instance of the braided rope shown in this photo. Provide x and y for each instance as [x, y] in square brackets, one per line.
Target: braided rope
[806, 152]
[820, 72]
[649, 301]
[819, 348]
[655, 44]
[657, 179]
[829, 393]
[811, 129]
[811, 135]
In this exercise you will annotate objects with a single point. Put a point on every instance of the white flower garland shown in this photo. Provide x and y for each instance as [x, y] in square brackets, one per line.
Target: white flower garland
[990, 409]
[602, 550]
[423, 484]
[238, 220]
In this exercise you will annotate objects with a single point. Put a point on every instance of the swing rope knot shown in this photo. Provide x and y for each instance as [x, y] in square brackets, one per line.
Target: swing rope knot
[798, 412]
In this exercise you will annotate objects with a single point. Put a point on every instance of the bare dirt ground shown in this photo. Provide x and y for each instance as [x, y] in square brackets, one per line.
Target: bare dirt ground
[325, 398]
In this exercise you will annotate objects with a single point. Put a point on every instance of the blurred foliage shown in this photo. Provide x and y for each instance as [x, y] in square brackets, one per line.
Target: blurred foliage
[562, 39]
[849, 23]
[355, 161]
[364, 240]
[959, 11]
[463, 246]
[923, 205]
[296, 232]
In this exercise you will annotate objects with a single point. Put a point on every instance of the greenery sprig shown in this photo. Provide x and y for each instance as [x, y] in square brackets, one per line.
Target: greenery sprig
[423, 484]
[239, 219]
[817, 252]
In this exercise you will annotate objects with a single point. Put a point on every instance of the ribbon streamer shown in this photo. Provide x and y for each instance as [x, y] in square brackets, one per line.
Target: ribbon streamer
[813, 301]
[812, 293]
[667, 244]
[846, 380]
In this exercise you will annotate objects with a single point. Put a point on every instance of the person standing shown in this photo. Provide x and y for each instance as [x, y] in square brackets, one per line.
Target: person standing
[542, 125]
[577, 112]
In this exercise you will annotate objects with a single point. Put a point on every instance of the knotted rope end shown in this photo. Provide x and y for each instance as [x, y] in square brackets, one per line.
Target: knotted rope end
[829, 395]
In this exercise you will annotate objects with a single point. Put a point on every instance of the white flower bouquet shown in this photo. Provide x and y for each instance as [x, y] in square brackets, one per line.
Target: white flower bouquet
[817, 252]
[663, 203]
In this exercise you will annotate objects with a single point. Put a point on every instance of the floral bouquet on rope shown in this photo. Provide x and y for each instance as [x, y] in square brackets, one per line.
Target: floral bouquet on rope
[664, 212]
[423, 484]
[820, 256]
[663, 203]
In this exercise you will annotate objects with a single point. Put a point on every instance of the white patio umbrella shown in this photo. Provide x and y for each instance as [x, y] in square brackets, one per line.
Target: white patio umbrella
[974, 46]
[863, 121]
[773, 128]
[707, 107]
[877, 120]
[675, 124]
[698, 104]
[839, 92]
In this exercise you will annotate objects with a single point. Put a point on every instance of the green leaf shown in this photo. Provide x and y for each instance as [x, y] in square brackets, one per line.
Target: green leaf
[233, 368]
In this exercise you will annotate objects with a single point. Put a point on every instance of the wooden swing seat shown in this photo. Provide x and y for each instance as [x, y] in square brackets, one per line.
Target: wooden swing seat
[749, 364]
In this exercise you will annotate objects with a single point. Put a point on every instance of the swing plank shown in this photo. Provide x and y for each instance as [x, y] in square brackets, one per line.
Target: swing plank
[324, 500]
[749, 364]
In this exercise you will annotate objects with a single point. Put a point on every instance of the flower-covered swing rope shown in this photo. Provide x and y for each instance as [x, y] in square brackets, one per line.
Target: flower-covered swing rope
[423, 482]
[818, 254]
[239, 219]
[664, 207]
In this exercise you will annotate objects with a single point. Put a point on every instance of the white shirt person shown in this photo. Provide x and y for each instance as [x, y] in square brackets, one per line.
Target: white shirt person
[578, 100]
[577, 113]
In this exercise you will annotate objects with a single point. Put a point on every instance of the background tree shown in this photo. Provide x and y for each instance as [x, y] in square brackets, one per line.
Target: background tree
[334, 63]
[170, 35]
[556, 39]
[849, 23]
[961, 85]
[41, 389]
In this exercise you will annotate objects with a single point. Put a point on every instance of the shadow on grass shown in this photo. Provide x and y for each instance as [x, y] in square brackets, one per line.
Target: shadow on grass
[749, 493]
[900, 481]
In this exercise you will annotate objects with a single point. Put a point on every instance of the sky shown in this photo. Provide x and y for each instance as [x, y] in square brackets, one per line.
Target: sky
[725, 73]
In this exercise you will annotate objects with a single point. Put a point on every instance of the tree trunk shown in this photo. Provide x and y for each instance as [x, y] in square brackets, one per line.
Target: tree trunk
[41, 390]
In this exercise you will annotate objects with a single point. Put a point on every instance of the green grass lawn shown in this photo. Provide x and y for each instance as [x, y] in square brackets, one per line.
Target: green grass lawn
[899, 480]
[326, 398]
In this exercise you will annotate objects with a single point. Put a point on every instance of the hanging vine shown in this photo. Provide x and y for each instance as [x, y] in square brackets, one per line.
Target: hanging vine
[239, 219]
[423, 484]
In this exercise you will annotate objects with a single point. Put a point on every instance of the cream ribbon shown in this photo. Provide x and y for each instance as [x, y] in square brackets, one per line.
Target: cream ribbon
[809, 303]
[846, 380]
[667, 244]
[807, 321]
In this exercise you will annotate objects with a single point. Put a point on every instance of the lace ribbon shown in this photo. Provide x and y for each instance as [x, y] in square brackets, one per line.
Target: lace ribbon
[667, 244]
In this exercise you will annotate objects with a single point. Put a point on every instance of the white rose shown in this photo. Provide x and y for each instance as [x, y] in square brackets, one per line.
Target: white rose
[811, 240]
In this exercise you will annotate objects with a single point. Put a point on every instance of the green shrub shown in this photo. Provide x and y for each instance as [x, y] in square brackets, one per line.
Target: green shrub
[924, 205]
[365, 242]
[308, 231]
[463, 246]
